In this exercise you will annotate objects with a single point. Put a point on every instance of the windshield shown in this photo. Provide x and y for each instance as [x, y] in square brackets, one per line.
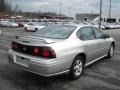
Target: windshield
[56, 32]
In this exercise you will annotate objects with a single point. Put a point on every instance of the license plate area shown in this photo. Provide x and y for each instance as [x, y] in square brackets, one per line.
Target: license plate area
[22, 61]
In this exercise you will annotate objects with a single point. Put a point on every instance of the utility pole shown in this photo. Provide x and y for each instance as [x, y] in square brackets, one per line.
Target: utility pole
[100, 14]
[10, 9]
[40, 10]
[69, 10]
[60, 8]
[110, 10]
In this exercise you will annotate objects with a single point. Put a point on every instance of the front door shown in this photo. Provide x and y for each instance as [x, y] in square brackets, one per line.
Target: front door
[103, 44]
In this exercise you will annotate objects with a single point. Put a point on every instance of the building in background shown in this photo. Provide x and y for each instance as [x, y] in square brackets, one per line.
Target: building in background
[115, 17]
[86, 16]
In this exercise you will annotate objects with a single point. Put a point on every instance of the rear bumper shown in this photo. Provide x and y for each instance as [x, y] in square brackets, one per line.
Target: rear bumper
[39, 66]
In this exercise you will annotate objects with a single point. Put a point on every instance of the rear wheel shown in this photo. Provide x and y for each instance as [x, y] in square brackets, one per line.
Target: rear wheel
[111, 51]
[76, 68]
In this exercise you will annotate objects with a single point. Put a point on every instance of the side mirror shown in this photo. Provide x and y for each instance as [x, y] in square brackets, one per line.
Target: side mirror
[106, 36]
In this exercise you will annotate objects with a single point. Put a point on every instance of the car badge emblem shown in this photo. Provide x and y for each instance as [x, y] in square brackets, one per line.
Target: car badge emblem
[24, 49]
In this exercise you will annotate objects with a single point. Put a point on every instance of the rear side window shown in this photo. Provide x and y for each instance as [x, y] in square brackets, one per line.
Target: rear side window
[86, 33]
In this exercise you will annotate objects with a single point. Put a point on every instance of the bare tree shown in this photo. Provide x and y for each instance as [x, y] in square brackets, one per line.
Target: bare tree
[2, 5]
[16, 9]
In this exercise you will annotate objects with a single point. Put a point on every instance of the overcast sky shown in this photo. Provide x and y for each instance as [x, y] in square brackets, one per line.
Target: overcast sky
[77, 6]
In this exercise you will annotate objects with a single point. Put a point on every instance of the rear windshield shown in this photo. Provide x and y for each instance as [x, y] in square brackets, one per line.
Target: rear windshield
[55, 32]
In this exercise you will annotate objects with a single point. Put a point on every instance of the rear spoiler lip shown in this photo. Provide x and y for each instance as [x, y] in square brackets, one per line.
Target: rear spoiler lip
[29, 37]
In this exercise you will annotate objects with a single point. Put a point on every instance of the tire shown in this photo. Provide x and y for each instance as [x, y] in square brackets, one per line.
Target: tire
[77, 68]
[25, 29]
[36, 29]
[111, 51]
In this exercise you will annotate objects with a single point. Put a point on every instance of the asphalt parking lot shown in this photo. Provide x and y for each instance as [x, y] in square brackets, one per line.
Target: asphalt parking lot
[103, 75]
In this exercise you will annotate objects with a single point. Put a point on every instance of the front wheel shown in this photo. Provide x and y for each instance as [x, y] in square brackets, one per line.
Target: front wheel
[25, 28]
[76, 68]
[36, 29]
[111, 51]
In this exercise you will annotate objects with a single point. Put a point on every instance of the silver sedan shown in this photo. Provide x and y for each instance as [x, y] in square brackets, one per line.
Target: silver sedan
[61, 49]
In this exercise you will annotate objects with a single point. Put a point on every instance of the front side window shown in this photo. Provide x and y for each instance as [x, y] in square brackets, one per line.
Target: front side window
[98, 33]
[87, 33]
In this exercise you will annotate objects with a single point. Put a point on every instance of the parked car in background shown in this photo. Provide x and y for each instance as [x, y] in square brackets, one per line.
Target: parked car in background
[21, 24]
[97, 25]
[8, 24]
[116, 26]
[33, 26]
[12, 24]
[61, 49]
[4, 23]
[112, 26]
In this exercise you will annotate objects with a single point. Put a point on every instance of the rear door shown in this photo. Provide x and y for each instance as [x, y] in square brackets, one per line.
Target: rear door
[90, 43]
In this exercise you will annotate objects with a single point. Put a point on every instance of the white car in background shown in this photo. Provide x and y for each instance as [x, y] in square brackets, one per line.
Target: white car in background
[97, 25]
[116, 25]
[12, 24]
[8, 24]
[4, 23]
[112, 26]
[33, 26]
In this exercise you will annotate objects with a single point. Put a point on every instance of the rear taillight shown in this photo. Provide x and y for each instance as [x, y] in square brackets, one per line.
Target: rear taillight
[14, 45]
[48, 53]
[45, 52]
[36, 51]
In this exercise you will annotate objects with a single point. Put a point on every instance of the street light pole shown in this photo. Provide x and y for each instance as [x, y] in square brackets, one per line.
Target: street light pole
[100, 14]
[40, 10]
[69, 10]
[110, 10]
[10, 9]
[60, 8]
